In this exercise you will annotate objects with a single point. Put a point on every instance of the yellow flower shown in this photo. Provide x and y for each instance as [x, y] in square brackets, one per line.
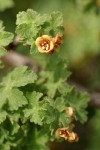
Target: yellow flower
[67, 134]
[45, 44]
[62, 132]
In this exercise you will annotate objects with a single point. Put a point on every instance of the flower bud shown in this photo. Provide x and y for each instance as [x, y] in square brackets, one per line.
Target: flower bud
[57, 41]
[70, 111]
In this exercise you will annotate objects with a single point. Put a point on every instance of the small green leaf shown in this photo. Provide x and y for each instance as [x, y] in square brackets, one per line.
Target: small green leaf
[16, 99]
[78, 101]
[56, 19]
[3, 115]
[5, 38]
[55, 74]
[64, 119]
[31, 17]
[34, 108]
[60, 104]
[27, 32]
[15, 128]
[27, 17]
[48, 112]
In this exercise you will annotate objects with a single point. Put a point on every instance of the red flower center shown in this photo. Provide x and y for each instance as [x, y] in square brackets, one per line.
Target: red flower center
[64, 133]
[45, 44]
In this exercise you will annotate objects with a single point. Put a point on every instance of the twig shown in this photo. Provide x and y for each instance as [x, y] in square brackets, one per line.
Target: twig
[14, 59]
[14, 44]
[95, 96]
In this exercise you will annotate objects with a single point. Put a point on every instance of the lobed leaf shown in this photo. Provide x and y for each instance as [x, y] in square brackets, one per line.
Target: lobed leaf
[20, 76]
[16, 99]
[5, 39]
[33, 110]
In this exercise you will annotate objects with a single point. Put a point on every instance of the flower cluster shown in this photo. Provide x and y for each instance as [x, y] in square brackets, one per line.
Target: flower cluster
[47, 44]
[67, 134]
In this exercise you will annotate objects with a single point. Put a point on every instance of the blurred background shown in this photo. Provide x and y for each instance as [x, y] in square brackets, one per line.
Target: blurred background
[81, 49]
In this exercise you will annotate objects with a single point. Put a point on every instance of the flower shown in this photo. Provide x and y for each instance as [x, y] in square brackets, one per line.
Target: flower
[57, 41]
[62, 132]
[67, 134]
[73, 137]
[47, 44]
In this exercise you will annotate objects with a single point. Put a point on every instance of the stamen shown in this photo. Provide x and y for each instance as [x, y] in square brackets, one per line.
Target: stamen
[43, 47]
[46, 48]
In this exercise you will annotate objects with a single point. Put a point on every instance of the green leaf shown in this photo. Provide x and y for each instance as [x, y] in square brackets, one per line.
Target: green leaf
[15, 128]
[56, 21]
[3, 95]
[16, 99]
[5, 38]
[54, 114]
[55, 74]
[2, 51]
[65, 89]
[3, 115]
[40, 141]
[9, 93]
[18, 77]
[27, 17]
[64, 119]
[34, 108]
[48, 112]
[28, 25]
[27, 32]
[60, 104]
[31, 17]
[14, 116]
[79, 101]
